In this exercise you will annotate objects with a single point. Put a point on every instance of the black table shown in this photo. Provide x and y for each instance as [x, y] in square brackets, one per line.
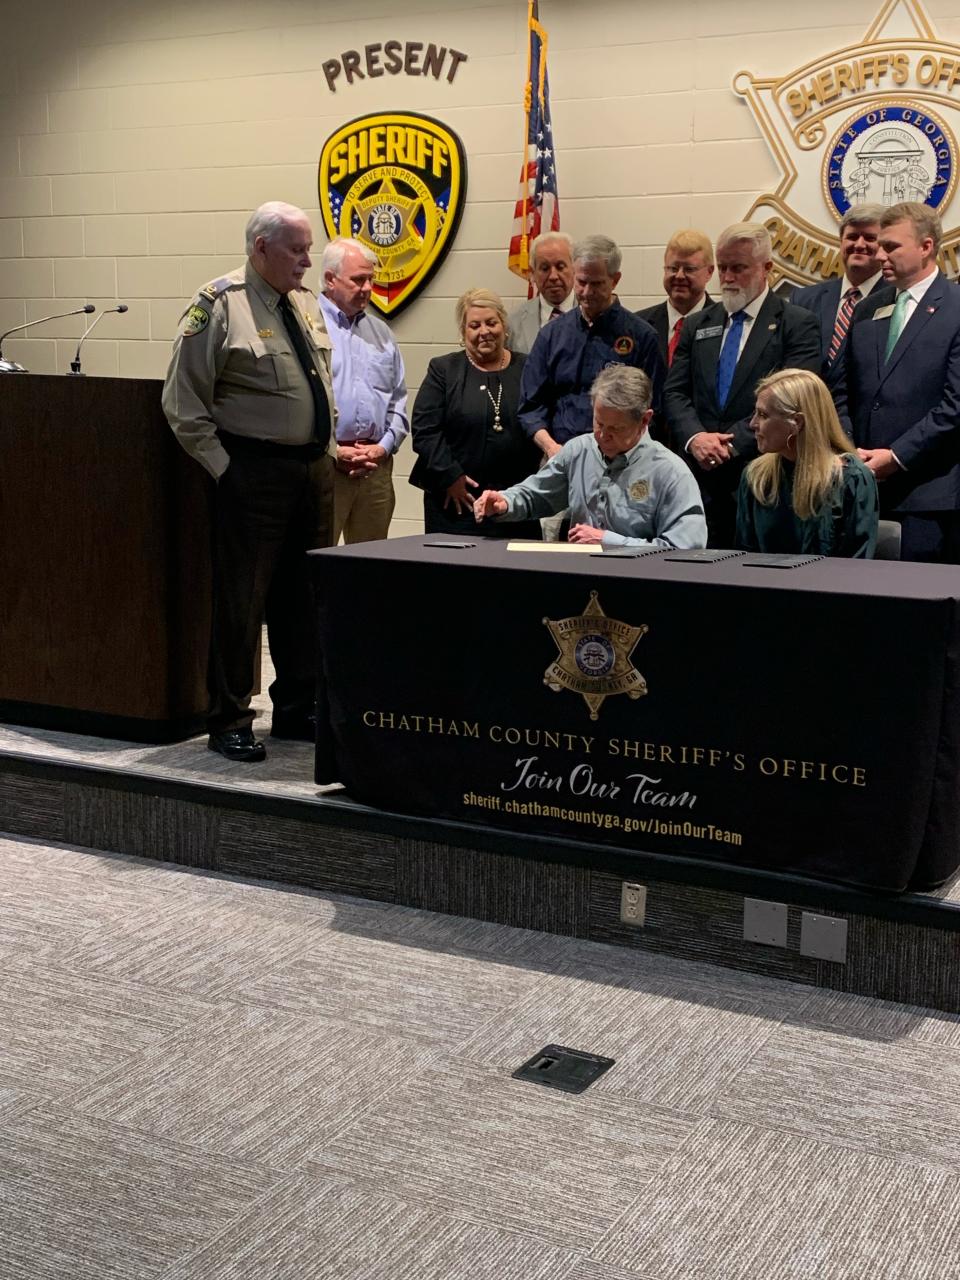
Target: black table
[802, 719]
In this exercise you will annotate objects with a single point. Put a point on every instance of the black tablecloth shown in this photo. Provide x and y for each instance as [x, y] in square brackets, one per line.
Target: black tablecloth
[802, 719]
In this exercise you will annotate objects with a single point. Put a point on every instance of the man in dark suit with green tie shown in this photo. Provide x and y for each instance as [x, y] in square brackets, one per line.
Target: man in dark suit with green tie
[900, 394]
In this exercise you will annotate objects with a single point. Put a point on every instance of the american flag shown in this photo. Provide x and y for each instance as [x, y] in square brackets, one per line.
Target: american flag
[537, 205]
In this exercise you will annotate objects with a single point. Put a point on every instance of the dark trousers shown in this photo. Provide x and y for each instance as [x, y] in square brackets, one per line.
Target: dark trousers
[271, 506]
[930, 538]
[718, 489]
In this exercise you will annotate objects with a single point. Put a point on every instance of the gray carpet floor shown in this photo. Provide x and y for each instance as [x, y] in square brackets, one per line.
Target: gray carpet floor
[212, 1079]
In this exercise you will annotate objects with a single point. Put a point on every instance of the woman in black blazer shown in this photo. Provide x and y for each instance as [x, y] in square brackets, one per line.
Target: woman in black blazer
[466, 431]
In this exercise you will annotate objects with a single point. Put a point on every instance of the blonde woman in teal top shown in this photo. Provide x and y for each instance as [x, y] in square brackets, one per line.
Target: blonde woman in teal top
[808, 491]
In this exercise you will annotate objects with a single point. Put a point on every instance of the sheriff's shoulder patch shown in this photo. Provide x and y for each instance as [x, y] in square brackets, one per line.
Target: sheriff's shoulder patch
[195, 321]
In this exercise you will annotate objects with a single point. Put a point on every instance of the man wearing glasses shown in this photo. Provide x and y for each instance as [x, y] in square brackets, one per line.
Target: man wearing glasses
[687, 268]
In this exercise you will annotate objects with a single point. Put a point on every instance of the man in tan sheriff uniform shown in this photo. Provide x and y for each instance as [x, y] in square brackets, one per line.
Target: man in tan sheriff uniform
[249, 396]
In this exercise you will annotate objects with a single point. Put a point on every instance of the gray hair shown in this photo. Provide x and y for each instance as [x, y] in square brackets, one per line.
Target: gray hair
[598, 249]
[551, 237]
[269, 219]
[334, 253]
[859, 215]
[623, 389]
[750, 232]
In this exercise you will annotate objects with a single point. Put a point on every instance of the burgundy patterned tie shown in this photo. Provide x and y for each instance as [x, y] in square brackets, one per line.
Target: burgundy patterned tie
[674, 341]
[850, 300]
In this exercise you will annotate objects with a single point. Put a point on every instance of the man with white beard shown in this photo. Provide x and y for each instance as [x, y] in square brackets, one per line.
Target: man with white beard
[722, 354]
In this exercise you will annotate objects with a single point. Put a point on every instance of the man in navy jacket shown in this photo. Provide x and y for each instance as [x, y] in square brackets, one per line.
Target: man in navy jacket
[570, 351]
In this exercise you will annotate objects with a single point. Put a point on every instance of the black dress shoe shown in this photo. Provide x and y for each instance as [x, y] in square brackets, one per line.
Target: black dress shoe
[297, 728]
[237, 744]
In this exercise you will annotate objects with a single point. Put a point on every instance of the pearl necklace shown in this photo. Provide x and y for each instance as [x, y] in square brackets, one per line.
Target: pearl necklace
[497, 424]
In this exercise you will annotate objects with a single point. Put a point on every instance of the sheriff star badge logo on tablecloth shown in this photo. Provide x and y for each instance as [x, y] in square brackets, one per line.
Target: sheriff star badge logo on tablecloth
[594, 656]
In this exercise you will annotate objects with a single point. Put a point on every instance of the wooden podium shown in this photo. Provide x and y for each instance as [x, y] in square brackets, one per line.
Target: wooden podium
[104, 561]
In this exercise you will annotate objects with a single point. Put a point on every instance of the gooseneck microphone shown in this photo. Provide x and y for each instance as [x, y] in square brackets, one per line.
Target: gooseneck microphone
[11, 366]
[75, 362]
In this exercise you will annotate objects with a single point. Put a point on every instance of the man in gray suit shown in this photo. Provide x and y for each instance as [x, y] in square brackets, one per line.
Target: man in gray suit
[551, 270]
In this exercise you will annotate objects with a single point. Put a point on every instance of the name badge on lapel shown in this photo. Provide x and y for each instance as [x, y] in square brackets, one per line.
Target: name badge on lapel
[883, 313]
[714, 331]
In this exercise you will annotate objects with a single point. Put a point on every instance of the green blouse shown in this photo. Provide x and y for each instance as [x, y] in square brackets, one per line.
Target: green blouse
[845, 526]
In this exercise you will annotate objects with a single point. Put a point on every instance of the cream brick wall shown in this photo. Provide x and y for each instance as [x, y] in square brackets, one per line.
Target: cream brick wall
[52, 237]
[115, 235]
[135, 140]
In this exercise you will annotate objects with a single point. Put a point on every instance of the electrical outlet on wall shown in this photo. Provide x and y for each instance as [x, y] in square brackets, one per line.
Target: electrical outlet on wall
[633, 903]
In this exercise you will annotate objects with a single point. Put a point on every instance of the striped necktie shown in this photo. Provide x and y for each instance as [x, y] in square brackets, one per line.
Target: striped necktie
[850, 300]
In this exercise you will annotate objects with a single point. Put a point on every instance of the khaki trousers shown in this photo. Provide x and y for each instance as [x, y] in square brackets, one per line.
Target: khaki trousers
[363, 508]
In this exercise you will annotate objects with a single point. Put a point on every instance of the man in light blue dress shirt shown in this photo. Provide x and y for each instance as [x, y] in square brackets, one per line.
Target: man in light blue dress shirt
[369, 391]
[623, 488]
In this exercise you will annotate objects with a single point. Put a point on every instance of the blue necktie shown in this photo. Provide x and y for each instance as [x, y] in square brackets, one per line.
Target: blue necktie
[727, 364]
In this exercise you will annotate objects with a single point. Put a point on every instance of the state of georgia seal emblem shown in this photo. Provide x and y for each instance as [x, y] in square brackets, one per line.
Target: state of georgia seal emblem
[875, 122]
[396, 181]
[893, 153]
[594, 656]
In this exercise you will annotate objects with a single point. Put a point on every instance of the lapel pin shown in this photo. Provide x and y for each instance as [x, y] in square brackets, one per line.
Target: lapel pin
[772, 327]
[931, 310]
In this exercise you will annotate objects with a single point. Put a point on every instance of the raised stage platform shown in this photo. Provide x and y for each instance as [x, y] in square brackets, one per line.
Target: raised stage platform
[183, 804]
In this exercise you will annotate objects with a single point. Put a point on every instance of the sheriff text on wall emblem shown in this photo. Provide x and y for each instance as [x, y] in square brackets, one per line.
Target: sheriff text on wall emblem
[396, 181]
